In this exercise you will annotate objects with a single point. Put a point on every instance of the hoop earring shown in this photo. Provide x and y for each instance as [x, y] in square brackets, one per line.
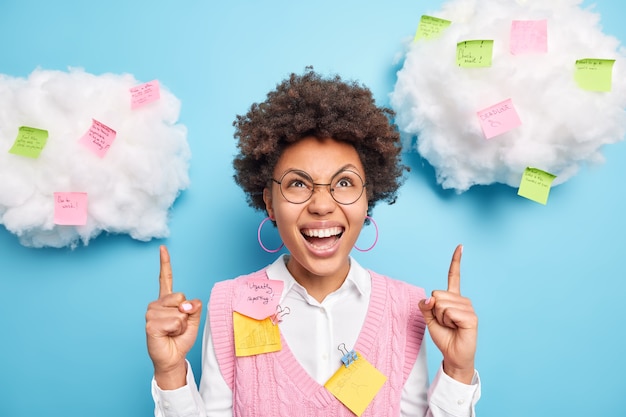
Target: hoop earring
[375, 240]
[258, 234]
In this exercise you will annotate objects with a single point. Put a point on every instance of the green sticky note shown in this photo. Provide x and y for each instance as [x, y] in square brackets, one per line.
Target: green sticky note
[29, 142]
[535, 185]
[473, 54]
[594, 74]
[430, 27]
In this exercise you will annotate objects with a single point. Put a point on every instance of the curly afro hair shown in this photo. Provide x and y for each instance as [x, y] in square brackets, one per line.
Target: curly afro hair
[310, 105]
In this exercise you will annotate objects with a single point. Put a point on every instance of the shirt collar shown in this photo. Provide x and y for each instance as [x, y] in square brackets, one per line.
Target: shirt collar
[358, 278]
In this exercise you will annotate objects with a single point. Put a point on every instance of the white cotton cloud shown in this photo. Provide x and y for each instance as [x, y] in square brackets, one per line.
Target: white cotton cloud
[563, 126]
[130, 189]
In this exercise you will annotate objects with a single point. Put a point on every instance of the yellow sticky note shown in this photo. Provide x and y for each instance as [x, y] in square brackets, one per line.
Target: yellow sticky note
[594, 74]
[430, 27]
[253, 337]
[29, 142]
[473, 54]
[356, 385]
[535, 185]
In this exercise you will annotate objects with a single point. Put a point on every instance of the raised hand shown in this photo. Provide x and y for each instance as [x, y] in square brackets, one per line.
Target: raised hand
[453, 324]
[172, 324]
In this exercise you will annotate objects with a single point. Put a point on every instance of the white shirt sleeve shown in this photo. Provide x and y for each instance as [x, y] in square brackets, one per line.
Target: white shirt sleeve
[182, 402]
[213, 399]
[446, 397]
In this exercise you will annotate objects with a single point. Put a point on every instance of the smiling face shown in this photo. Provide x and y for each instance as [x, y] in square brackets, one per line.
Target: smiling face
[320, 232]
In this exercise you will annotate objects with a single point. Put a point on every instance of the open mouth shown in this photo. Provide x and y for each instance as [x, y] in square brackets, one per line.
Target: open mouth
[322, 238]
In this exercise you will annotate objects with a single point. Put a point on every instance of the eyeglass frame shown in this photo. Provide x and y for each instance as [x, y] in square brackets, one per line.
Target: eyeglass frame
[315, 184]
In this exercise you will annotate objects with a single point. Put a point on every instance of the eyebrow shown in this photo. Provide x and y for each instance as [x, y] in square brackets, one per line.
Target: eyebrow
[343, 168]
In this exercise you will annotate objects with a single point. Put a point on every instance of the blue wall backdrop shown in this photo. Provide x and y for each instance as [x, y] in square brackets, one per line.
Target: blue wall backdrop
[547, 281]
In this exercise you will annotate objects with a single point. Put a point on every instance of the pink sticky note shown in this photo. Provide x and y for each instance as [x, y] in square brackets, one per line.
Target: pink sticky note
[70, 209]
[258, 298]
[144, 93]
[98, 138]
[529, 36]
[498, 119]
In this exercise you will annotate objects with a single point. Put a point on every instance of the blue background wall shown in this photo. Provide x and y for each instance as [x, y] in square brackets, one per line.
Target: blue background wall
[547, 281]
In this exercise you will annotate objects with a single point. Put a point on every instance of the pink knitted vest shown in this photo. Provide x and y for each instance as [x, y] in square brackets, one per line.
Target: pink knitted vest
[275, 384]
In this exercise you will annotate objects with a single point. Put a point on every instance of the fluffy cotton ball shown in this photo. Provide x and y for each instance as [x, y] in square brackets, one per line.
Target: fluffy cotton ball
[563, 126]
[130, 189]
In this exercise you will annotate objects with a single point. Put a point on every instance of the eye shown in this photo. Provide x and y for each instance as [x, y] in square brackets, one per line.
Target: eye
[344, 182]
[297, 180]
[297, 184]
[346, 179]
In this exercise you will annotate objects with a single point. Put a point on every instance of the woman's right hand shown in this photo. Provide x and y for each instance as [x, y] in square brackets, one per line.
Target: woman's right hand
[172, 324]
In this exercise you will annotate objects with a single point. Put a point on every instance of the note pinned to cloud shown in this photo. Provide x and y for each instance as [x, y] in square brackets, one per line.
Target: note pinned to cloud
[29, 142]
[594, 74]
[474, 53]
[535, 185]
[70, 209]
[499, 118]
[98, 138]
[529, 36]
[145, 93]
[430, 27]
[142, 166]
[569, 112]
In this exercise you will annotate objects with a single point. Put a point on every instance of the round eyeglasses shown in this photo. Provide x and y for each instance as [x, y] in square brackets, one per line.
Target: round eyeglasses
[345, 187]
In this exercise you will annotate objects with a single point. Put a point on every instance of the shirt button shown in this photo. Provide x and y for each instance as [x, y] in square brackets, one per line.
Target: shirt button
[460, 402]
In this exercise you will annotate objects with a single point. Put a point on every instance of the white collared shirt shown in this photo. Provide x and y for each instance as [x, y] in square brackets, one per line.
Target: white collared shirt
[314, 330]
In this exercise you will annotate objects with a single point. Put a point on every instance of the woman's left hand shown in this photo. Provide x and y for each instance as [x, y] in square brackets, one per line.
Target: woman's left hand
[453, 324]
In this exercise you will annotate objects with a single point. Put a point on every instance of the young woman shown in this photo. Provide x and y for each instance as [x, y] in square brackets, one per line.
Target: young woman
[337, 339]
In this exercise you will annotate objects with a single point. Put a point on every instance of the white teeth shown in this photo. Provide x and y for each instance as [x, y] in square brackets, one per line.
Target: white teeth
[331, 231]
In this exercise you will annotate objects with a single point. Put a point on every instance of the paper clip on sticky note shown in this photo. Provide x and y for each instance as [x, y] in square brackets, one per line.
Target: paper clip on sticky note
[280, 313]
[348, 356]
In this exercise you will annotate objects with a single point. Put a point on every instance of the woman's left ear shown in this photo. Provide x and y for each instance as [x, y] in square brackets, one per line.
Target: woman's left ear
[267, 198]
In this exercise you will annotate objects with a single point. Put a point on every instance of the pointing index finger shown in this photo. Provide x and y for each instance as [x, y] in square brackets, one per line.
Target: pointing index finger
[454, 273]
[165, 274]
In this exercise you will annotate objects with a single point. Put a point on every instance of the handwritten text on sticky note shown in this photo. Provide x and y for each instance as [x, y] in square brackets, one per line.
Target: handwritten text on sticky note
[258, 298]
[430, 27]
[143, 94]
[498, 119]
[70, 209]
[253, 337]
[535, 185]
[473, 54]
[98, 138]
[29, 142]
[356, 385]
[594, 74]
[529, 36]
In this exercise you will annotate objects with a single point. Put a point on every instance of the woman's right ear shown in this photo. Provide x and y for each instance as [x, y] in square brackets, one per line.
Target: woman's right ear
[267, 198]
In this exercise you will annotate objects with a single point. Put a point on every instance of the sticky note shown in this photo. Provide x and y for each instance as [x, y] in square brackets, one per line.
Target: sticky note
[143, 94]
[594, 74]
[529, 36]
[29, 142]
[474, 54]
[258, 298]
[253, 337]
[356, 385]
[98, 138]
[498, 119]
[535, 185]
[70, 209]
[430, 27]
